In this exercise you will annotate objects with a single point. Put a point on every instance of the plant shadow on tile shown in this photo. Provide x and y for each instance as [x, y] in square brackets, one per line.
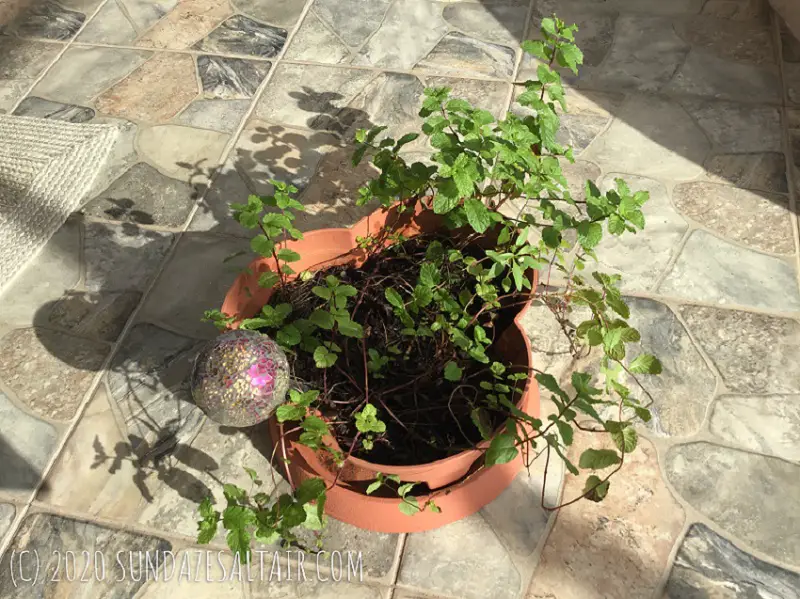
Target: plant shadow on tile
[158, 427]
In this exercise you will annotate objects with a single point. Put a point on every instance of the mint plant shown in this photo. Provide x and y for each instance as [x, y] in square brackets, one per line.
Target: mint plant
[430, 309]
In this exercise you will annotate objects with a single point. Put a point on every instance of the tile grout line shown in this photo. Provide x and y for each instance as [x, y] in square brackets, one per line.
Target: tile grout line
[58, 57]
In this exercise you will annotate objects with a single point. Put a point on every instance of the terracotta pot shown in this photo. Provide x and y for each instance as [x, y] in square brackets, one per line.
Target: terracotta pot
[460, 485]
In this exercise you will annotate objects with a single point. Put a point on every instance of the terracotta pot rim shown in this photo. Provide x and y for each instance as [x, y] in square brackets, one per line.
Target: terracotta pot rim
[262, 263]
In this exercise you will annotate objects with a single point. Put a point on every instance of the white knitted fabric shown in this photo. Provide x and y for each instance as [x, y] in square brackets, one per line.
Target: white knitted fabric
[46, 169]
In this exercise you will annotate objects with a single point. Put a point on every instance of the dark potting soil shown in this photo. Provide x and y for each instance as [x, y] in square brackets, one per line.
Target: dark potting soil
[427, 417]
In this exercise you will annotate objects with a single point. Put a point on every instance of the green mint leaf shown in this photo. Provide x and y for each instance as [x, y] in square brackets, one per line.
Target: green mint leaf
[502, 449]
[394, 298]
[625, 439]
[409, 506]
[309, 490]
[374, 486]
[288, 412]
[261, 245]
[323, 319]
[288, 255]
[646, 364]
[477, 214]
[595, 489]
[452, 372]
[598, 459]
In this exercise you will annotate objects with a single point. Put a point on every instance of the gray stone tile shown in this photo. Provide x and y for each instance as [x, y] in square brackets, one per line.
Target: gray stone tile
[340, 100]
[314, 42]
[644, 57]
[49, 372]
[338, 14]
[301, 96]
[47, 277]
[710, 269]
[616, 548]
[283, 13]
[11, 92]
[734, 40]
[109, 26]
[704, 74]
[7, 514]
[759, 220]
[98, 454]
[200, 289]
[149, 382]
[762, 172]
[99, 316]
[517, 516]
[792, 78]
[685, 388]
[145, 13]
[219, 115]
[146, 197]
[48, 20]
[753, 352]
[489, 95]
[45, 109]
[51, 537]
[230, 78]
[767, 424]
[463, 559]
[82, 73]
[329, 199]
[651, 137]
[266, 151]
[458, 54]
[737, 10]
[122, 257]
[588, 114]
[25, 59]
[26, 446]
[642, 257]
[123, 155]
[738, 128]
[213, 211]
[651, 7]
[240, 35]
[501, 24]
[183, 153]
[377, 548]
[708, 563]
[314, 589]
[736, 501]
[408, 32]
[219, 578]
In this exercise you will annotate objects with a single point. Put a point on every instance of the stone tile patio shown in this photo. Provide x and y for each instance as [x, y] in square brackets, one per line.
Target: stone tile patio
[697, 101]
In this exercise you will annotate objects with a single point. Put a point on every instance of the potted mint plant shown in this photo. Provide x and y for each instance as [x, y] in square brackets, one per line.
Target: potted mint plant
[419, 401]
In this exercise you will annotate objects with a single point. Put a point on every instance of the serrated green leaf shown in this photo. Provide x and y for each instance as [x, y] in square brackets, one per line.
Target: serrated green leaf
[323, 319]
[374, 486]
[261, 245]
[309, 490]
[290, 412]
[288, 255]
[477, 214]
